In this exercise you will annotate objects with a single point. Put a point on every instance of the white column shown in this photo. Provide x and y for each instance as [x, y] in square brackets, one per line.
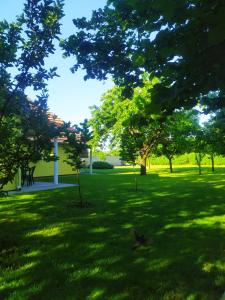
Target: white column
[90, 152]
[18, 179]
[56, 165]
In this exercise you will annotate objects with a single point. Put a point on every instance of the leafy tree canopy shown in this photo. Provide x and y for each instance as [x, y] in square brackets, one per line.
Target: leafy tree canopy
[180, 42]
[24, 45]
[215, 133]
[127, 123]
[177, 134]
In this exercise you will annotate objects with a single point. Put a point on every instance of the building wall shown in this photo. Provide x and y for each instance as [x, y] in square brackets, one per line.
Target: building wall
[15, 184]
[10, 186]
[113, 160]
[44, 168]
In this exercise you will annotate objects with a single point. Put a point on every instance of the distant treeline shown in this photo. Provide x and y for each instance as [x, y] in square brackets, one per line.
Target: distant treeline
[185, 159]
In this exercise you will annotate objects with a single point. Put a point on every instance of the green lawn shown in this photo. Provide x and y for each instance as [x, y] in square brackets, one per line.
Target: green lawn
[51, 249]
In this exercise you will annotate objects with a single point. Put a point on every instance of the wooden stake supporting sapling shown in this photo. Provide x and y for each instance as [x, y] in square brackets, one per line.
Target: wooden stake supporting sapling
[135, 179]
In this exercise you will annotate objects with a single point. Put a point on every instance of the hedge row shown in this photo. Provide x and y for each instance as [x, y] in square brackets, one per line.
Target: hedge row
[101, 165]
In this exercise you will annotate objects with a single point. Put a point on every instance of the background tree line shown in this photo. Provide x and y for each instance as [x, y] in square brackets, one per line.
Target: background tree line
[139, 135]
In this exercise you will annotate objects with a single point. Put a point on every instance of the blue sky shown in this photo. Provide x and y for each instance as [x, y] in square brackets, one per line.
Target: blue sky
[69, 95]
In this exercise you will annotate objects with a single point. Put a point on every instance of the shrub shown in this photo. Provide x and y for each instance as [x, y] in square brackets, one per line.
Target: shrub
[101, 165]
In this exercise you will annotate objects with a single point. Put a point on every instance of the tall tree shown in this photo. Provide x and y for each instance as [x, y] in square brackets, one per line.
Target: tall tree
[181, 42]
[176, 134]
[215, 135]
[24, 46]
[125, 122]
[213, 142]
[199, 146]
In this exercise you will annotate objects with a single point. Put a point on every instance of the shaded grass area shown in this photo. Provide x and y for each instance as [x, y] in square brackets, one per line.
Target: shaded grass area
[50, 249]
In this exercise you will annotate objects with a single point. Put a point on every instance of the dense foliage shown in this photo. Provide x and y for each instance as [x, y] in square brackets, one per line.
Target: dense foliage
[177, 134]
[24, 44]
[127, 124]
[181, 42]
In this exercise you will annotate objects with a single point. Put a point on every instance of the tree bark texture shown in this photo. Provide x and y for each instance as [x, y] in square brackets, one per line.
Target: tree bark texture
[171, 165]
[213, 164]
[199, 169]
[143, 166]
[198, 157]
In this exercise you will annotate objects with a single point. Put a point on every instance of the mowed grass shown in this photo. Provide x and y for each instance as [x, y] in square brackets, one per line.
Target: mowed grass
[50, 249]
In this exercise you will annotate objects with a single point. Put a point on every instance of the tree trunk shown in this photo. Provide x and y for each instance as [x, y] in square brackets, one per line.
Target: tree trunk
[212, 160]
[198, 158]
[199, 168]
[143, 166]
[148, 163]
[171, 166]
[135, 179]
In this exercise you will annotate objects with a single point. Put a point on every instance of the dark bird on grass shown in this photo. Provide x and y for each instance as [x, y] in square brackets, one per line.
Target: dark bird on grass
[140, 239]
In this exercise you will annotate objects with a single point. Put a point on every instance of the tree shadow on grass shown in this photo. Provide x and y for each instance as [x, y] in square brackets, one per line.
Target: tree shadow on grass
[87, 254]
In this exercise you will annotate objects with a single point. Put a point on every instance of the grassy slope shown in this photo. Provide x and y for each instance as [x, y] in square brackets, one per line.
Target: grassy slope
[52, 250]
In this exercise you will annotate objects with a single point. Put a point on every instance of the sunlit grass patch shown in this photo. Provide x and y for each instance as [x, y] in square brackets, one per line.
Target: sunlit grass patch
[45, 232]
[99, 230]
[96, 246]
[52, 250]
[96, 294]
